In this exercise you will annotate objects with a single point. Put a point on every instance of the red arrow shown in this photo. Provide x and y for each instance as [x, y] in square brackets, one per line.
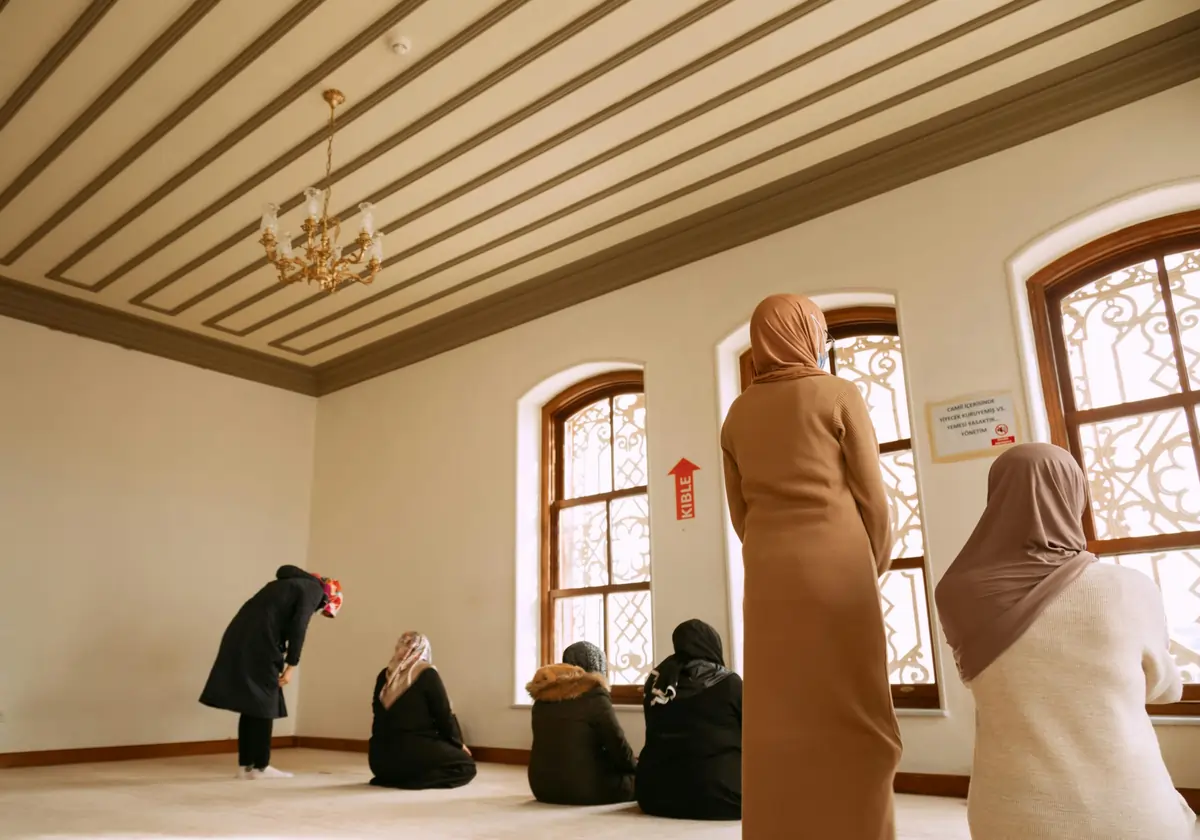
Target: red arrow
[684, 467]
[685, 489]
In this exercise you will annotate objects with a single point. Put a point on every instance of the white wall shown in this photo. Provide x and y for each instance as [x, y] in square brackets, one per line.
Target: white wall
[415, 480]
[141, 502]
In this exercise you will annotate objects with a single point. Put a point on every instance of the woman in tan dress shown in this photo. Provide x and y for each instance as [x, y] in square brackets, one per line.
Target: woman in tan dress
[806, 495]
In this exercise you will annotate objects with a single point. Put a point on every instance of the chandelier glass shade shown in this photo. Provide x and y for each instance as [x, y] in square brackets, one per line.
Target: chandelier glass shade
[317, 257]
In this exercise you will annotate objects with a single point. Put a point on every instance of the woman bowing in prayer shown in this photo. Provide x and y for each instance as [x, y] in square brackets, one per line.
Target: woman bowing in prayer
[416, 743]
[258, 653]
[691, 766]
[1061, 654]
[807, 499]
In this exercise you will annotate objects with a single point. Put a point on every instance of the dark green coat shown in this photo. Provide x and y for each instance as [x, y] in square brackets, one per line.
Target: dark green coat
[580, 755]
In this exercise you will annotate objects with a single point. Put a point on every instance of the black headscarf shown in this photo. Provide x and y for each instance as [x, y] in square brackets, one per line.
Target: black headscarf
[696, 664]
[587, 656]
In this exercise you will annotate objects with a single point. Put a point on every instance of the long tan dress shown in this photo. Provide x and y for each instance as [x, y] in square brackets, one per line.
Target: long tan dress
[820, 739]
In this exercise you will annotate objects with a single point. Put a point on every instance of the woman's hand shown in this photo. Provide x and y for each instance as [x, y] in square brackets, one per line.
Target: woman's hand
[286, 676]
[466, 749]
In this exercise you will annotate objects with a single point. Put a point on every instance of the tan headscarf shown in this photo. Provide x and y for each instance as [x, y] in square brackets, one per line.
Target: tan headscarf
[788, 339]
[413, 655]
[1027, 547]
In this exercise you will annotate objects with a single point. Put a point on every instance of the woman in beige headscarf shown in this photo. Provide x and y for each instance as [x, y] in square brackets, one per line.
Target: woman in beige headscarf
[1061, 654]
[416, 743]
[806, 495]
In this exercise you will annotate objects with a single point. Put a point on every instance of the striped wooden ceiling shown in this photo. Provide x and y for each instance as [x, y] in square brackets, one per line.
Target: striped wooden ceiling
[517, 138]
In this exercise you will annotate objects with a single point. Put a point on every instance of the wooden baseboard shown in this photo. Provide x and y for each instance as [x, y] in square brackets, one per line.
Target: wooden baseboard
[489, 755]
[353, 745]
[917, 784]
[932, 784]
[136, 752]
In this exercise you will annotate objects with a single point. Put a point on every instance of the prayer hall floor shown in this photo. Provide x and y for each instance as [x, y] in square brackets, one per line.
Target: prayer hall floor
[329, 798]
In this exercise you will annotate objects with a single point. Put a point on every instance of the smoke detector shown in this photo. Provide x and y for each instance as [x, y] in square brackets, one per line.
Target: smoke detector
[399, 44]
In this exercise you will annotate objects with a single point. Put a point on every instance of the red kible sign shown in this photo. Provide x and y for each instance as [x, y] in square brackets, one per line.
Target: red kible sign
[685, 489]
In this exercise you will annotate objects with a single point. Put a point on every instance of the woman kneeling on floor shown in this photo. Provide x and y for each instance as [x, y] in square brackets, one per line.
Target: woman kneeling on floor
[580, 755]
[691, 766]
[415, 740]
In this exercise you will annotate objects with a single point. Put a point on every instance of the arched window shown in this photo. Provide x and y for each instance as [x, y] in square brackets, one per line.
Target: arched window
[596, 527]
[1117, 325]
[866, 351]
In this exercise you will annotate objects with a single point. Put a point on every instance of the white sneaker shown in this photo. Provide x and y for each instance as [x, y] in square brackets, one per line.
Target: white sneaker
[270, 773]
[246, 773]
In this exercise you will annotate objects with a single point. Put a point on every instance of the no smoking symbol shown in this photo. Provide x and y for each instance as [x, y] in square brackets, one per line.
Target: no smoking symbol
[1001, 430]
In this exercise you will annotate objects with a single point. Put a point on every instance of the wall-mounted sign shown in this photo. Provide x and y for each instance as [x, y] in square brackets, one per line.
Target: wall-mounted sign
[978, 426]
[685, 489]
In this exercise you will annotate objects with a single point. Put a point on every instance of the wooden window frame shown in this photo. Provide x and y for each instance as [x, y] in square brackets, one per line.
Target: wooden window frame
[1145, 242]
[554, 416]
[851, 322]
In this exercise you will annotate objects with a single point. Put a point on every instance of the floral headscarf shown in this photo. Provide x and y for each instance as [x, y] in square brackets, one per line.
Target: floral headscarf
[413, 655]
[333, 597]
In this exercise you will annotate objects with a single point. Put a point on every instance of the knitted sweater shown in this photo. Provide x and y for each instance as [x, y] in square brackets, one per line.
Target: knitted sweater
[1064, 748]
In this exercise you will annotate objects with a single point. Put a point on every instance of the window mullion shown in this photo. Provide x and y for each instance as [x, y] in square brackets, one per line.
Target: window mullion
[1180, 361]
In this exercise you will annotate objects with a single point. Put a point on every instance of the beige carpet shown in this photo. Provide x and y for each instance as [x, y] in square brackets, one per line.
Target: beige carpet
[329, 798]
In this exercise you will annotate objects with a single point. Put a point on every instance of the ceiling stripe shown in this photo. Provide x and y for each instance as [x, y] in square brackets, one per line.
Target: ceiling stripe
[302, 86]
[842, 84]
[791, 65]
[50, 61]
[222, 77]
[653, 39]
[161, 46]
[575, 27]
[1126, 72]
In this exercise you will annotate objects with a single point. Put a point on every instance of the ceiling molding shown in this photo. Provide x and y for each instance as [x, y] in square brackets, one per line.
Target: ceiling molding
[162, 45]
[301, 87]
[1126, 72]
[290, 20]
[80, 317]
[51, 60]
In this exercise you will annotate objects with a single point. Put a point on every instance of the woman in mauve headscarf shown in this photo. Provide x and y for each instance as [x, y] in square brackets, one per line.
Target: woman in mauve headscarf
[1061, 654]
[691, 766]
[807, 499]
[416, 743]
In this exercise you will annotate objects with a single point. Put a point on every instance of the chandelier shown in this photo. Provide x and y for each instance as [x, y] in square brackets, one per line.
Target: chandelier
[322, 261]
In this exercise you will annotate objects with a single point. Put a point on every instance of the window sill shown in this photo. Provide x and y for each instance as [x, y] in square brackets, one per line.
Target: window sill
[925, 713]
[620, 707]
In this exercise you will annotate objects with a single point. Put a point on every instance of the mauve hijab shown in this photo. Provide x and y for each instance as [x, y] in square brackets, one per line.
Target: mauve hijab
[1028, 546]
[787, 339]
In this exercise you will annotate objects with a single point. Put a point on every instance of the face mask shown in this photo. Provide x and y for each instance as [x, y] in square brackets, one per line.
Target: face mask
[823, 353]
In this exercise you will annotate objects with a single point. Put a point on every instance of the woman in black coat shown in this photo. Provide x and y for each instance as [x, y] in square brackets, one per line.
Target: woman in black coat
[580, 755]
[416, 743]
[260, 649]
[691, 766]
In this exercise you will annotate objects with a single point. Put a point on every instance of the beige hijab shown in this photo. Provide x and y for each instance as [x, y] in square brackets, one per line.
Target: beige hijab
[413, 656]
[1027, 547]
[788, 339]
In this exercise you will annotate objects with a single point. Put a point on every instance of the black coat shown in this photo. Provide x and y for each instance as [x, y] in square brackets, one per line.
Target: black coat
[691, 766]
[267, 632]
[580, 755]
[417, 744]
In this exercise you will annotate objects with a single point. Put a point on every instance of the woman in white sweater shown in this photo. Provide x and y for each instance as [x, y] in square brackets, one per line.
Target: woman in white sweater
[1062, 654]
